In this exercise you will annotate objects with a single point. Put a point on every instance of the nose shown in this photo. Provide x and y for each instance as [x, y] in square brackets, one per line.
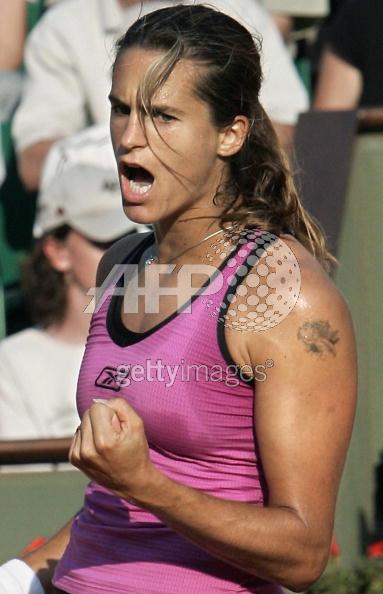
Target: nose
[133, 135]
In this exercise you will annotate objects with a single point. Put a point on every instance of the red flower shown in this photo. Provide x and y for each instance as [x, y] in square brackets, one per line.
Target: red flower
[334, 548]
[375, 549]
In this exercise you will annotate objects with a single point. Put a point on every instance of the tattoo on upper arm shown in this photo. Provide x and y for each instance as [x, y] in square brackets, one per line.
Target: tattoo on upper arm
[318, 337]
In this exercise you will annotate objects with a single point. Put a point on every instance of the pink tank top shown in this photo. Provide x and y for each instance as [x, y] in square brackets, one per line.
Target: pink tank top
[198, 418]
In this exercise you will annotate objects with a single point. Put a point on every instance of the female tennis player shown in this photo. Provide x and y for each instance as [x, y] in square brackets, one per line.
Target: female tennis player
[217, 391]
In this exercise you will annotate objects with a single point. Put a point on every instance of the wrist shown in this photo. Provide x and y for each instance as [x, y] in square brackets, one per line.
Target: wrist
[162, 495]
[149, 490]
[16, 577]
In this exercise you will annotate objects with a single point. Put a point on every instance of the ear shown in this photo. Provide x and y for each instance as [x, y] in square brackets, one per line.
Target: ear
[232, 137]
[58, 254]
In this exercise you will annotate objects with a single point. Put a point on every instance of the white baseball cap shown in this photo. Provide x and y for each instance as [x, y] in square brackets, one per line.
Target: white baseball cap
[80, 188]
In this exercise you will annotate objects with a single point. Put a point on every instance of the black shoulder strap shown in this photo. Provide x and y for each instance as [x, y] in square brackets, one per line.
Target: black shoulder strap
[117, 253]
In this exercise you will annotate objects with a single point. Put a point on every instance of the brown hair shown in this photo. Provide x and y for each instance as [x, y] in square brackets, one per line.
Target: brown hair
[44, 287]
[260, 186]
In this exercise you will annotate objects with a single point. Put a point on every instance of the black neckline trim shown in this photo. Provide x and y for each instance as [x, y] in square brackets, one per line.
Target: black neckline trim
[123, 336]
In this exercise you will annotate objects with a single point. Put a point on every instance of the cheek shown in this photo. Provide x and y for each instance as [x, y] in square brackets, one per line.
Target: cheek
[187, 153]
[116, 131]
[201, 145]
[85, 266]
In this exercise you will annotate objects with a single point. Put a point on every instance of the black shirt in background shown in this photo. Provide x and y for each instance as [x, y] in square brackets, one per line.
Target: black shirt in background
[356, 36]
[335, 5]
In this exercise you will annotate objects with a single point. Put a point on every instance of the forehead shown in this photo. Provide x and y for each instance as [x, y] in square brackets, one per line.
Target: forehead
[133, 65]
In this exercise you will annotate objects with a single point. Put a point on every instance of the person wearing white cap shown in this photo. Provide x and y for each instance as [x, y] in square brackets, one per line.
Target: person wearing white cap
[79, 215]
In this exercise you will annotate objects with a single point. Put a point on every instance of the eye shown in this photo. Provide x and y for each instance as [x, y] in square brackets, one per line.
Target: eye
[162, 116]
[119, 109]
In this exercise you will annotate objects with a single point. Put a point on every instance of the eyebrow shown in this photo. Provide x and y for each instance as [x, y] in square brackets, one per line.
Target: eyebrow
[113, 98]
[155, 107]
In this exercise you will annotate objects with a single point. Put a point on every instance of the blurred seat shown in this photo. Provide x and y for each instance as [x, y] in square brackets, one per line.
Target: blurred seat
[360, 278]
[323, 156]
[341, 177]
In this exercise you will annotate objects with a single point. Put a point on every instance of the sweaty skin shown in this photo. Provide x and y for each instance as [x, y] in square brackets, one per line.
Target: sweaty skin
[304, 410]
[303, 400]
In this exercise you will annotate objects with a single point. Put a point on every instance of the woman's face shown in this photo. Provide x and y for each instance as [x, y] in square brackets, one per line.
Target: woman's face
[84, 258]
[76, 257]
[176, 169]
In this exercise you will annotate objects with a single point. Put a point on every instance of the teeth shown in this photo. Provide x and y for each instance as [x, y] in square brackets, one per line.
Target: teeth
[137, 189]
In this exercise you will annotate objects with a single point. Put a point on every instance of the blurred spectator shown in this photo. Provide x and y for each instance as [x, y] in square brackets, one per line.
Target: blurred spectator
[284, 11]
[335, 5]
[351, 71]
[317, 47]
[284, 23]
[79, 216]
[68, 61]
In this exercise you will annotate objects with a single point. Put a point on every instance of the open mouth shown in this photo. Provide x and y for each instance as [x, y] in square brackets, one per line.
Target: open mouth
[140, 179]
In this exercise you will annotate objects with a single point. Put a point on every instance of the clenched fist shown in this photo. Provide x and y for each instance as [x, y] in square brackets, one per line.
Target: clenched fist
[110, 447]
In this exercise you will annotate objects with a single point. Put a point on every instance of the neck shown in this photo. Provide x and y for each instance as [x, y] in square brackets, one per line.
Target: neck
[74, 327]
[184, 236]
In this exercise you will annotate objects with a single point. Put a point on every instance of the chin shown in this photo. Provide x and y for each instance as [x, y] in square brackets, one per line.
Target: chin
[139, 214]
[142, 214]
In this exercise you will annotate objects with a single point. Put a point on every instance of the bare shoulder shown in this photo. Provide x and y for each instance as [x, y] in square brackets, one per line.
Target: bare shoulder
[321, 317]
[318, 324]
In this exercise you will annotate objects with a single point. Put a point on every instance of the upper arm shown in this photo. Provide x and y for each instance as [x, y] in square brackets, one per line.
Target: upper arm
[304, 410]
[340, 84]
[13, 22]
[31, 162]
[345, 57]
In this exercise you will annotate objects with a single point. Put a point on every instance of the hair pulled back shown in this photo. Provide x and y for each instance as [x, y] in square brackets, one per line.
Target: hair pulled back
[260, 190]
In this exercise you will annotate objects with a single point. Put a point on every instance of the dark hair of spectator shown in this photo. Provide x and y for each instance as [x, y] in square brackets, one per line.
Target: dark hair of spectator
[44, 287]
[261, 189]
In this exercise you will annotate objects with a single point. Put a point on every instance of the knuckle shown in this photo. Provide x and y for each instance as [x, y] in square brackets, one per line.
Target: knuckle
[74, 460]
[87, 453]
[138, 423]
[103, 444]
